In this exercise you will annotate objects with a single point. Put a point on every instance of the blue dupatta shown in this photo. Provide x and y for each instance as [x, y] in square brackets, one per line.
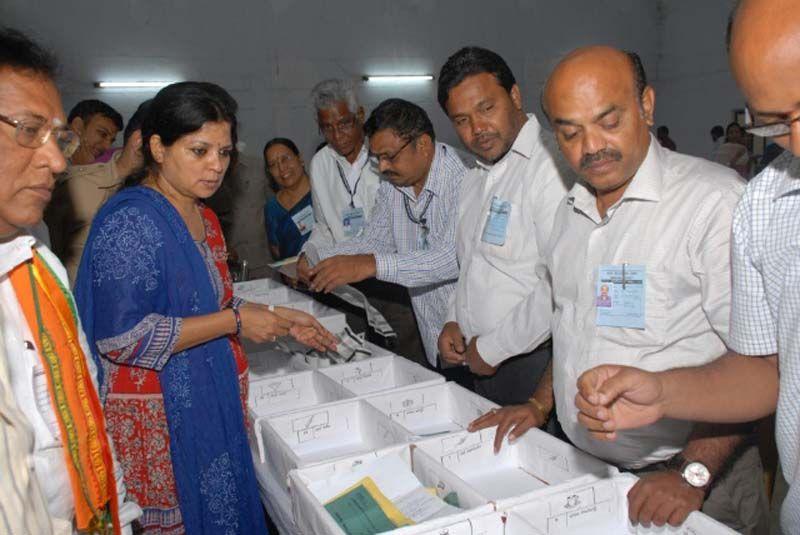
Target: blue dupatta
[140, 259]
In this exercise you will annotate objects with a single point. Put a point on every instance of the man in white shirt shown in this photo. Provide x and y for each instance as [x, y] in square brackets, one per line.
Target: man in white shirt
[83, 189]
[640, 276]
[343, 190]
[33, 146]
[22, 506]
[505, 217]
[760, 373]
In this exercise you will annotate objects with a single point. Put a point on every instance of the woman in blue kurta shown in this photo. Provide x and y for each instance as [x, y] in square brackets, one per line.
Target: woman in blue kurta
[288, 215]
[156, 302]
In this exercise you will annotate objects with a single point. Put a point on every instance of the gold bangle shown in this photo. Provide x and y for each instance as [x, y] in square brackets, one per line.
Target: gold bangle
[539, 407]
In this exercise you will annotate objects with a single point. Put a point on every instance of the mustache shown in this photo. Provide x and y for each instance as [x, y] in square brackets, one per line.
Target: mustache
[481, 138]
[599, 156]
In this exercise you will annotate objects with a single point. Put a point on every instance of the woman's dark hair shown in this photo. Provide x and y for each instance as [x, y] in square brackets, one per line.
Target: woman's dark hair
[180, 109]
[469, 61]
[405, 118]
[136, 120]
[286, 142]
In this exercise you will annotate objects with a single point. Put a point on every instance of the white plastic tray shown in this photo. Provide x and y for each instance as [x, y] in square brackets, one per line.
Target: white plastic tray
[379, 374]
[534, 462]
[325, 433]
[432, 410]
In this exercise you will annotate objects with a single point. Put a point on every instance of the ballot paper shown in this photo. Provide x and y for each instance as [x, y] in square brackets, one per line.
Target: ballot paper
[351, 348]
[287, 267]
[356, 298]
[379, 496]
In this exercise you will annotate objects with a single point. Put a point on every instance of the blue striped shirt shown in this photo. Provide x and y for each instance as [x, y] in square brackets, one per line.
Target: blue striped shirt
[396, 242]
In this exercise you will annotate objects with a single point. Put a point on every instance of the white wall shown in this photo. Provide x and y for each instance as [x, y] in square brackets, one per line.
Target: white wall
[269, 54]
[694, 87]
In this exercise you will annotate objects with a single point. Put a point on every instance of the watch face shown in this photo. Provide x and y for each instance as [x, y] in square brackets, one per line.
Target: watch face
[696, 474]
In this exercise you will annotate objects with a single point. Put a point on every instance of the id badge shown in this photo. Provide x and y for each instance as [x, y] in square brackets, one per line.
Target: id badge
[496, 227]
[352, 221]
[304, 220]
[620, 295]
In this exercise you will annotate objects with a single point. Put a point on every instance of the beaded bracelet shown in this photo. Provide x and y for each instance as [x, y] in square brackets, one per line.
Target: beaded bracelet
[238, 317]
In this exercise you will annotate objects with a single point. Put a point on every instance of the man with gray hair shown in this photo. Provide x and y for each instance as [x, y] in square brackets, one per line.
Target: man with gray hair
[343, 184]
[343, 190]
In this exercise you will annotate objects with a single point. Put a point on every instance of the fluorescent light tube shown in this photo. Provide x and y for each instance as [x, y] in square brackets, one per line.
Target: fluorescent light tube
[398, 78]
[134, 85]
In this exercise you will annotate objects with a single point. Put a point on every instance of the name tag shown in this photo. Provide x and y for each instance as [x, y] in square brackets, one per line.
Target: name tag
[304, 220]
[352, 221]
[496, 227]
[620, 296]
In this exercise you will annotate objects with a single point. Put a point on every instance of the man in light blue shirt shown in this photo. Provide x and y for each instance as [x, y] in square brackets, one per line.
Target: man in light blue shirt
[410, 235]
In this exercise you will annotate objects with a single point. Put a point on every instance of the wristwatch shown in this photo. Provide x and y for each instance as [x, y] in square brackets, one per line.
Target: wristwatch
[694, 473]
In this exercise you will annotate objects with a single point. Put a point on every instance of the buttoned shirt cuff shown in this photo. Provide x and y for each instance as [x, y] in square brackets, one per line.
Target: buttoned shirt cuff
[491, 350]
[386, 267]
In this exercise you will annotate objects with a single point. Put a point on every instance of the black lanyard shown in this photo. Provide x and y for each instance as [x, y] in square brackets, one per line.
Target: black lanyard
[421, 220]
[350, 192]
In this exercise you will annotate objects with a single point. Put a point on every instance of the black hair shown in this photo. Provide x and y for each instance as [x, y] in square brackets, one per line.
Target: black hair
[405, 118]
[467, 62]
[639, 75]
[662, 130]
[733, 123]
[180, 109]
[86, 109]
[20, 52]
[729, 27]
[286, 142]
[136, 120]
[717, 132]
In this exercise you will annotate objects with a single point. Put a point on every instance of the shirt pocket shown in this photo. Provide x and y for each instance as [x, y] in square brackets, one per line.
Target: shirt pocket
[651, 339]
[511, 249]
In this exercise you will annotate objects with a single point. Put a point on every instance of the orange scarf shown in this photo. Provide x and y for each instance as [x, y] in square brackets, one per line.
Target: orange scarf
[52, 318]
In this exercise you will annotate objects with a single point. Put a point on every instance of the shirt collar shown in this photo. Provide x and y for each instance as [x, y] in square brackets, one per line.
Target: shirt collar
[788, 168]
[524, 145]
[360, 160]
[433, 182]
[646, 185]
[15, 251]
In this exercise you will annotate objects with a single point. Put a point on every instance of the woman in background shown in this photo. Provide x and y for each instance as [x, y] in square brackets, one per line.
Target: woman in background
[733, 152]
[156, 300]
[288, 216]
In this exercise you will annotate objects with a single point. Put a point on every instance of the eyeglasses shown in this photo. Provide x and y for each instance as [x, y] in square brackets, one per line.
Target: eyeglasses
[776, 129]
[345, 126]
[35, 132]
[376, 159]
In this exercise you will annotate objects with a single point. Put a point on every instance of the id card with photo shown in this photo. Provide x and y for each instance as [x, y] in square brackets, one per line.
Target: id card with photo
[620, 295]
[352, 221]
[304, 220]
[496, 227]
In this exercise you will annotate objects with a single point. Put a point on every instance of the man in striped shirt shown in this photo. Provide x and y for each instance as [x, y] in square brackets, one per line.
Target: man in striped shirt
[410, 235]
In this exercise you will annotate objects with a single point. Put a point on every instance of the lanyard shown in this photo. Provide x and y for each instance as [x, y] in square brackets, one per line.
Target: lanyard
[421, 220]
[351, 192]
